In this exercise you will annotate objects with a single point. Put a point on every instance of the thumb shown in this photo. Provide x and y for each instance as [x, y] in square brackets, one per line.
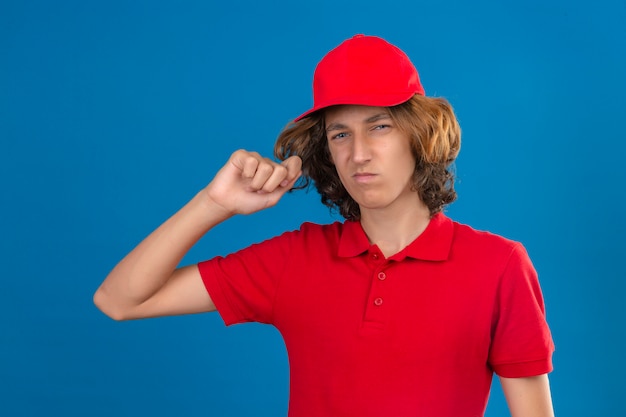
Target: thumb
[294, 170]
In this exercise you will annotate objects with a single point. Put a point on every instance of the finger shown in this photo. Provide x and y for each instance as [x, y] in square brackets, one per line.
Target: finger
[264, 172]
[276, 179]
[244, 162]
[294, 170]
[249, 164]
[278, 192]
[289, 184]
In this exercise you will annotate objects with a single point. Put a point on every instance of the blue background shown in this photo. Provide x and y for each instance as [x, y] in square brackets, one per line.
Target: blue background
[114, 114]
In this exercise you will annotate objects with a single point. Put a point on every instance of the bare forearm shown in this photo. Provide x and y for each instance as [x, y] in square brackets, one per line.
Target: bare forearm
[146, 282]
[147, 268]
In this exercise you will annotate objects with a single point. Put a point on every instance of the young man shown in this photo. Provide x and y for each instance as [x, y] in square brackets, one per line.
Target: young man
[398, 311]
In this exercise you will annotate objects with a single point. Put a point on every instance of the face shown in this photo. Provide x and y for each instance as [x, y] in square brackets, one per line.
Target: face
[372, 156]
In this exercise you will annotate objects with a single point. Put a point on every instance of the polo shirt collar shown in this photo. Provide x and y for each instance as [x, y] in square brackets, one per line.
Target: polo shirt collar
[432, 245]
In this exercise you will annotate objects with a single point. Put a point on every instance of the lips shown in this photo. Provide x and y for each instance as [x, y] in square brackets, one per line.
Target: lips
[363, 176]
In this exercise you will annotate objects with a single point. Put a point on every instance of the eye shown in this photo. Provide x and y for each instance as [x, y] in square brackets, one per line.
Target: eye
[381, 127]
[339, 135]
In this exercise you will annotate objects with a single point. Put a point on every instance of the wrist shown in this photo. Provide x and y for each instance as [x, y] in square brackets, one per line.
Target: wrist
[210, 209]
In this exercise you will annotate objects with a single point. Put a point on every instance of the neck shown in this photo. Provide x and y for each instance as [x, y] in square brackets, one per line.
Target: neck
[393, 230]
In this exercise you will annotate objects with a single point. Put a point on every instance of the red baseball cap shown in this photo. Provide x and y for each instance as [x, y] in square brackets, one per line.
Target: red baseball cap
[364, 70]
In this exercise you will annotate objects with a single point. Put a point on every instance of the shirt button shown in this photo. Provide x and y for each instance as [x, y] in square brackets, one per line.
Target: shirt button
[382, 276]
[378, 301]
[374, 256]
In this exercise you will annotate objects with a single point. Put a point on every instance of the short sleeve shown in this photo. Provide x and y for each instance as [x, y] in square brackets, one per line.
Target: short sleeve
[522, 344]
[243, 285]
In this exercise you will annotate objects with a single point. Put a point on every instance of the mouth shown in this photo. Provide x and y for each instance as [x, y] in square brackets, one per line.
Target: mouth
[363, 176]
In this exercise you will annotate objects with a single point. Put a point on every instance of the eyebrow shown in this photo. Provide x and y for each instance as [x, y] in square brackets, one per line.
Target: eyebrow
[371, 119]
[377, 117]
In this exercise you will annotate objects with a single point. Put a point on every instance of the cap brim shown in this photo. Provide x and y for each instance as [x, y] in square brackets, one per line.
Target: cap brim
[388, 100]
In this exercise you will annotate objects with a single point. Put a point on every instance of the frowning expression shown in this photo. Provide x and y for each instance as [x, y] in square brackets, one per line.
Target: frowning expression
[372, 156]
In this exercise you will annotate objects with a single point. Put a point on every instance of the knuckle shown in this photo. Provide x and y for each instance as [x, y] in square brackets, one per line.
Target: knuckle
[265, 169]
[239, 153]
[280, 169]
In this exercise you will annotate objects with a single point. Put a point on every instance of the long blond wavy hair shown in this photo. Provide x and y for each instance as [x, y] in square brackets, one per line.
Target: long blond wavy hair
[435, 138]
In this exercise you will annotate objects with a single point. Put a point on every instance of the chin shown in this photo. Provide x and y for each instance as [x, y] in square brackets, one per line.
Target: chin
[372, 205]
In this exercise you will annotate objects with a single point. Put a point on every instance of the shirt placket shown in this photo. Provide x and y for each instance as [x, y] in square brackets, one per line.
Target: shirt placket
[375, 317]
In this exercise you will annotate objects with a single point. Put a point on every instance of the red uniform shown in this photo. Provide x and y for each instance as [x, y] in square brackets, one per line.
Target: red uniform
[416, 334]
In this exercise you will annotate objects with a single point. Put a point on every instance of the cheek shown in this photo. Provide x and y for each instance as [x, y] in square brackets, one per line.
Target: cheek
[409, 165]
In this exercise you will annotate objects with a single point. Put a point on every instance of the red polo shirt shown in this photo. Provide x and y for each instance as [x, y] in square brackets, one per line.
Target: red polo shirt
[416, 334]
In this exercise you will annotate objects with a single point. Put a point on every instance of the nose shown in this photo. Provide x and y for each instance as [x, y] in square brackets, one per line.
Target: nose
[361, 151]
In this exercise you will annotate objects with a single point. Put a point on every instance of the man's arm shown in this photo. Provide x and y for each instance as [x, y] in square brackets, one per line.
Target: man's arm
[146, 282]
[528, 397]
